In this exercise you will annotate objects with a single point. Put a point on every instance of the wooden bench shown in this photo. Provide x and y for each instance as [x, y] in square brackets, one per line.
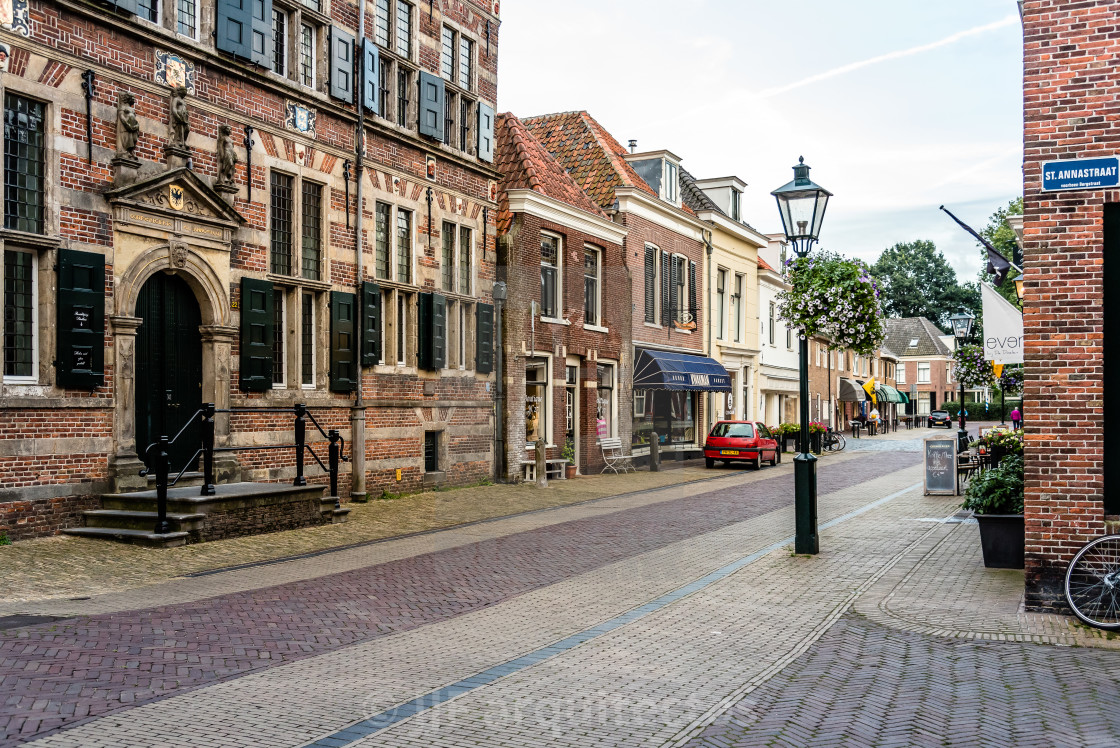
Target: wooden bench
[554, 468]
[614, 457]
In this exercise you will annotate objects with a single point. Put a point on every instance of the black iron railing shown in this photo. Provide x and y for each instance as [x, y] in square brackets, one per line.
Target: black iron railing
[158, 459]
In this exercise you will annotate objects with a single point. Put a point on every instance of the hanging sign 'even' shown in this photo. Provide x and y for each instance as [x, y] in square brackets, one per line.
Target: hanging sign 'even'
[1081, 174]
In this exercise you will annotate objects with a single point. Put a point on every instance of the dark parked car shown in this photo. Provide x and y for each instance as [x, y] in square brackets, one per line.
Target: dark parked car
[940, 418]
[740, 441]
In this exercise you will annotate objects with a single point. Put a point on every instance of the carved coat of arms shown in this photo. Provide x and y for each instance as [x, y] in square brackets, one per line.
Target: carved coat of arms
[176, 197]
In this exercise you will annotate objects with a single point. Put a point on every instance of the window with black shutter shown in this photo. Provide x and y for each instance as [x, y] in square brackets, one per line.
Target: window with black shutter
[432, 331]
[344, 372]
[674, 290]
[431, 103]
[257, 326]
[665, 292]
[371, 324]
[484, 339]
[651, 285]
[262, 41]
[692, 310]
[235, 28]
[81, 319]
[342, 65]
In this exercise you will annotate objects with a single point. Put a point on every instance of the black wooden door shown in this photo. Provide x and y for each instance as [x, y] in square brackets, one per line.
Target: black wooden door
[168, 366]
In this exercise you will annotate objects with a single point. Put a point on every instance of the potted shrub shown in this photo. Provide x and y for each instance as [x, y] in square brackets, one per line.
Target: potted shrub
[995, 498]
[569, 454]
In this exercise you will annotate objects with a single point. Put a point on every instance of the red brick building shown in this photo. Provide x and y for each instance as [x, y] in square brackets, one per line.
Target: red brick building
[665, 253]
[567, 363]
[1071, 248]
[925, 363]
[199, 217]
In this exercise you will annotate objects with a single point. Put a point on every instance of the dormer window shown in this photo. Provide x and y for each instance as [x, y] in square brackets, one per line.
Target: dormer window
[671, 183]
[736, 205]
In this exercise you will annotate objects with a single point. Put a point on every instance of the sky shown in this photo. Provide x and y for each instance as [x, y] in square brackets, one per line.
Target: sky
[899, 106]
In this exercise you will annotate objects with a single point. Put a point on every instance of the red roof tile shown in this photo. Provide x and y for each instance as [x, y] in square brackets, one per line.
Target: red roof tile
[764, 264]
[526, 164]
[592, 156]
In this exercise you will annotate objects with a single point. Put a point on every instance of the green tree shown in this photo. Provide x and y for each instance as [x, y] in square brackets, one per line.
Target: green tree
[1001, 236]
[915, 280]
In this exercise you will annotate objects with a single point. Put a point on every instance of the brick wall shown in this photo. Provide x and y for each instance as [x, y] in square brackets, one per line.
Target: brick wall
[521, 265]
[1072, 110]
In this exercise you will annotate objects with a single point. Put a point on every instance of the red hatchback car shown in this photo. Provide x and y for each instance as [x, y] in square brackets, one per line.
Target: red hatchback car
[740, 441]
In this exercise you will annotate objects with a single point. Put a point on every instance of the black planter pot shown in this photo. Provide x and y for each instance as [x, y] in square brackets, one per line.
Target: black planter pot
[815, 443]
[1002, 536]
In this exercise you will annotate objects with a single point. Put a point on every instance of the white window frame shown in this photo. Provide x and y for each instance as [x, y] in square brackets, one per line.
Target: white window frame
[193, 36]
[559, 290]
[314, 348]
[670, 181]
[657, 311]
[613, 431]
[282, 292]
[721, 301]
[683, 294]
[598, 301]
[740, 289]
[544, 362]
[925, 364]
[33, 378]
[900, 374]
[770, 329]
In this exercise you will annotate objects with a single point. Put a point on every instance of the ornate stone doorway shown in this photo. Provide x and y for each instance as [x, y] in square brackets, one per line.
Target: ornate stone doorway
[168, 366]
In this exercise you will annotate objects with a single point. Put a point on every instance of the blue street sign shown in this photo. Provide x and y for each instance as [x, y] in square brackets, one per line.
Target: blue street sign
[1081, 174]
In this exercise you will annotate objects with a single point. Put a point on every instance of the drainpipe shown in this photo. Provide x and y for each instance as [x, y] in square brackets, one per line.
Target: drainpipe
[500, 293]
[708, 317]
[358, 411]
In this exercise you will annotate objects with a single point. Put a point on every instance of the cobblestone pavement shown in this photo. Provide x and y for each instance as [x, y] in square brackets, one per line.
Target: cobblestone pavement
[864, 684]
[646, 619]
[72, 669]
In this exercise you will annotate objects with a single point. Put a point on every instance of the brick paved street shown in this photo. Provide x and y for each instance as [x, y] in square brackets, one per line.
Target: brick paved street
[646, 619]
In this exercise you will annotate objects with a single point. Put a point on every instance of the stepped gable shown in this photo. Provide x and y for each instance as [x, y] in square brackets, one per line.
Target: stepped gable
[593, 158]
[526, 164]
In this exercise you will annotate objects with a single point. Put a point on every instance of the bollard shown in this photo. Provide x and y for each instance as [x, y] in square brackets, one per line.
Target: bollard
[162, 469]
[301, 443]
[654, 453]
[542, 465]
[332, 463]
[208, 488]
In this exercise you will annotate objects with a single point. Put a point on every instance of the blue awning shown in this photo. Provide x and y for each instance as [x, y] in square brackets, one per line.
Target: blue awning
[662, 370]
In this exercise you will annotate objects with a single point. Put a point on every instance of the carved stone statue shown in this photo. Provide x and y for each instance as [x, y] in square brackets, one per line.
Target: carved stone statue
[227, 156]
[128, 127]
[180, 117]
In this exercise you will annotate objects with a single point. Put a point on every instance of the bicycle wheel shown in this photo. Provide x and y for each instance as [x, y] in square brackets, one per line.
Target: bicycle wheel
[839, 444]
[1093, 583]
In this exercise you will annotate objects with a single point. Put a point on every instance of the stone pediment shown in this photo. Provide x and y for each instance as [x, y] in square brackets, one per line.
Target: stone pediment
[180, 193]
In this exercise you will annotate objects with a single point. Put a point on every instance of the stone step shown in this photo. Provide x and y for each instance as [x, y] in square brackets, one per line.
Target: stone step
[132, 520]
[136, 537]
[188, 499]
[188, 480]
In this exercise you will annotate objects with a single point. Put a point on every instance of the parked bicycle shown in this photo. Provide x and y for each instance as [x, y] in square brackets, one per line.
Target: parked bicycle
[1093, 583]
[833, 441]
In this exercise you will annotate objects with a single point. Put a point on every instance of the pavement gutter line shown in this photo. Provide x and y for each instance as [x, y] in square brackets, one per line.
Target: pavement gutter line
[364, 728]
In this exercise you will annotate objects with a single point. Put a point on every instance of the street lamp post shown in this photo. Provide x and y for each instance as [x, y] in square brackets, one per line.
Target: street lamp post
[962, 331]
[801, 204]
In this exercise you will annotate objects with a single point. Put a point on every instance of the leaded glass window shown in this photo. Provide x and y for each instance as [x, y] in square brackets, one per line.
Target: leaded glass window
[404, 29]
[279, 33]
[465, 56]
[447, 266]
[307, 55]
[381, 241]
[19, 314]
[307, 339]
[447, 55]
[281, 222]
[23, 164]
[187, 17]
[464, 260]
[278, 368]
[381, 22]
[404, 246]
[312, 229]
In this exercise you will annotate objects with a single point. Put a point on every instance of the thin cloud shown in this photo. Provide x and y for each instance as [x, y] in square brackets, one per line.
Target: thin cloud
[951, 39]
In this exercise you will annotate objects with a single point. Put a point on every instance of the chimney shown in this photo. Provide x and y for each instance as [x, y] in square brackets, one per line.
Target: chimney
[633, 145]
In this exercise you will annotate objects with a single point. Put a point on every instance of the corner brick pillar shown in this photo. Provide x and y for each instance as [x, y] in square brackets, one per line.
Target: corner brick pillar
[125, 464]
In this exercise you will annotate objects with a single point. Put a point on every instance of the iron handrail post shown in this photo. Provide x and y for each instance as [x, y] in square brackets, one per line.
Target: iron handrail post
[301, 442]
[162, 469]
[332, 460]
[208, 488]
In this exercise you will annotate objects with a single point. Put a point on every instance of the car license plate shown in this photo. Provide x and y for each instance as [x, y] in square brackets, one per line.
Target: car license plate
[729, 452]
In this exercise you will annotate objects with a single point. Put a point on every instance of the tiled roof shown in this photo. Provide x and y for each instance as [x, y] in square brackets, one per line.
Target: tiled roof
[901, 331]
[526, 164]
[593, 158]
[764, 265]
[692, 197]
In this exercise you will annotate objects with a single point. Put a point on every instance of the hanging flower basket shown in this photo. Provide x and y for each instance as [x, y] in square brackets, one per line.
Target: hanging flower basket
[1012, 379]
[833, 297]
[971, 368]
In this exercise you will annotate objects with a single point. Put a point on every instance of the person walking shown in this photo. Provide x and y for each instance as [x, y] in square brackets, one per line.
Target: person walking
[1016, 419]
